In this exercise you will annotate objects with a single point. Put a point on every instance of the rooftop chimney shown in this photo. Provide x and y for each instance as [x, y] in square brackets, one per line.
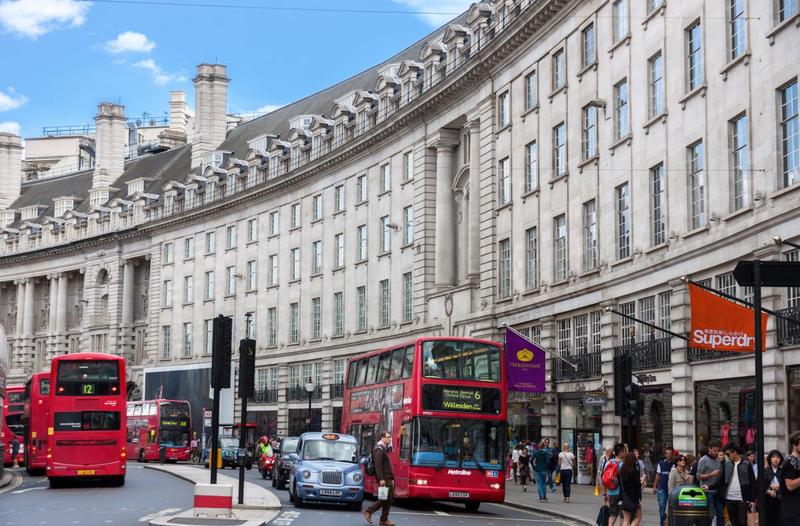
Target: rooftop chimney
[112, 130]
[210, 103]
[178, 115]
[10, 169]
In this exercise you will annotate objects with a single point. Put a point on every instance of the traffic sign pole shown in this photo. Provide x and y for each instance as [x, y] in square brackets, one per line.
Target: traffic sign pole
[759, 347]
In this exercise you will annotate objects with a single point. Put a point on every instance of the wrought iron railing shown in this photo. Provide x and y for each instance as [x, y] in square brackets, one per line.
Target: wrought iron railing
[701, 355]
[650, 354]
[337, 390]
[789, 329]
[265, 396]
[588, 366]
[299, 394]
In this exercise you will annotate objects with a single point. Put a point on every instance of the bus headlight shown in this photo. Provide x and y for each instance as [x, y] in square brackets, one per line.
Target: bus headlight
[306, 474]
[357, 477]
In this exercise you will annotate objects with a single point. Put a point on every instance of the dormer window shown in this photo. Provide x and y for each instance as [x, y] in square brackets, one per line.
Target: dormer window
[273, 167]
[189, 198]
[362, 121]
[98, 197]
[295, 157]
[136, 185]
[407, 91]
[30, 212]
[316, 145]
[259, 144]
[230, 187]
[169, 202]
[6, 217]
[62, 206]
[338, 134]
[216, 159]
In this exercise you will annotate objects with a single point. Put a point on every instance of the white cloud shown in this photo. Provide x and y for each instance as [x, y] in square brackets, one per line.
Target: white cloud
[268, 108]
[130, 41]
[10, 127]
[34, 18]
[8, 101]
[436, 12]
[160, 77]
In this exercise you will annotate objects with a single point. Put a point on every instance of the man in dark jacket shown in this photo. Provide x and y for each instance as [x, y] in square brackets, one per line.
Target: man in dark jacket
[384, 474]
[738, 485]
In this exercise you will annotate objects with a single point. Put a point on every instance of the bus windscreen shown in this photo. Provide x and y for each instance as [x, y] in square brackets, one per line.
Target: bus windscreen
[89, 378]
[174, 425]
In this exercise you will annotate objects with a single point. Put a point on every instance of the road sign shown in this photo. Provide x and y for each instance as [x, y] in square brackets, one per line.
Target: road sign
[773, 273]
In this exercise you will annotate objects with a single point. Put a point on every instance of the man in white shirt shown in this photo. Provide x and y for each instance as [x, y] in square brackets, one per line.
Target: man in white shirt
[739, 486]
[514, 459]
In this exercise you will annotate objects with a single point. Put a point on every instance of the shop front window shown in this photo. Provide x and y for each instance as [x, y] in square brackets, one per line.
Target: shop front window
[725, 412]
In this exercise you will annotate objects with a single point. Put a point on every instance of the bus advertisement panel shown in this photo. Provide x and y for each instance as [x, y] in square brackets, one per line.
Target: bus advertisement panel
[153, 424]
[3, 373]
[37, 408]
[14, 423]
[87, 421]
[444, 401]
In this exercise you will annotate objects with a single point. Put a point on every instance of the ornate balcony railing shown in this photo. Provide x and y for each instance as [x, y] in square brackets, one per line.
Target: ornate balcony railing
[701, 355]
[299, 394]
[650, 354]
[337, 390]
[788, 330]
[588, 366]
[265, 396]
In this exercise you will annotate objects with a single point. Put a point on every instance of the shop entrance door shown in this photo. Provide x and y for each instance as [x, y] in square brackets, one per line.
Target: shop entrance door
[587, 448]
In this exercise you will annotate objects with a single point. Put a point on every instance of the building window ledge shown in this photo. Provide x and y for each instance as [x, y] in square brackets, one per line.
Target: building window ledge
[383, 327]
[563, 177]
[589, 160]
[292, 229]
[166, 307]
[228, 249]
[339, 212]
[293, 281]
[190, 258]
[385, 192]
[273, 286]
[316, 275]
[586, 69]
[785, 190]
[626, 40]
[555, 92]
[337, 336]
[406, 246]
[662, 117]
[207, 300]
[589, 273]
[315, 221]
[506, 206]
[559, 283]
[252, 242]
[622, 261]
[694, 232]
[337, 269]
[743, 58]
[656, 248]
[736, 213]
[406, 323]
[230, 296]
[363, 331]
[315, 340]
[619, 142]
[270, 237]
[385, 255]
[530, 193]
[701, 89]
[361, 262]
[506, 299]
[654, 13]
[504, 128]
[362, 203]
[188, 303]
[404, 183]
[532, 109]
[794, 19]
[530, 292]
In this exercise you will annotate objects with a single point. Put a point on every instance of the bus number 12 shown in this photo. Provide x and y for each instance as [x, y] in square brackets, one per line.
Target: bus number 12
[88, 389]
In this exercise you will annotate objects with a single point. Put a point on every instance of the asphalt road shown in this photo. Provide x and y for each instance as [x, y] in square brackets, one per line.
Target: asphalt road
[145, 493]
[404, 513]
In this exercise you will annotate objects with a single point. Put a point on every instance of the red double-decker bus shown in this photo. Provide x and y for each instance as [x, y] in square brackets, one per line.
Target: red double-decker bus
[444, 402]
[14, 422]
[153, 424]
[86, 426]
[37, 409]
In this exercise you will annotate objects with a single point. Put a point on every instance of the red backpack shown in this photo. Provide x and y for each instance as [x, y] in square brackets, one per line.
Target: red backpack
[610, 474]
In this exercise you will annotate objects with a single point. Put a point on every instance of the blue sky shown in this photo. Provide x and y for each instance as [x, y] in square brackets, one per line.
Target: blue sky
[62, 57]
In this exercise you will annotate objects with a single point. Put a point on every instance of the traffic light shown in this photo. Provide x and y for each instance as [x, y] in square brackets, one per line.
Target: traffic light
[633, 406]
[623, 377]
[221, 353]
[247, 368]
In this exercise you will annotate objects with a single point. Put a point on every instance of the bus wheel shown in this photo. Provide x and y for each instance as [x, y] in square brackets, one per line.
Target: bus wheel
[471, 506]
[56, 483]
[141, 456]
[117, 481]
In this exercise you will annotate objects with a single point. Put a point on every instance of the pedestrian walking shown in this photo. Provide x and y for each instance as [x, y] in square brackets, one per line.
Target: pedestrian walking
[738, 485]
[611, 486]
[566, 465]
[790, 483]
[661, 485]
[384, 475]
[680, 476]
[524, 466]
[14, 450]
[708, 476]
[515, 463]
[541, 458]
[771, 485]
[552, 466]
[630, 480]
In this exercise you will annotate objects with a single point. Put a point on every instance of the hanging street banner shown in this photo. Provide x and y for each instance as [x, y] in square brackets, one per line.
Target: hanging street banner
[722, 325]
[525, 363]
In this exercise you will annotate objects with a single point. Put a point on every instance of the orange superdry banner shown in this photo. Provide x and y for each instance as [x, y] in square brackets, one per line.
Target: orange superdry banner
[721, 324]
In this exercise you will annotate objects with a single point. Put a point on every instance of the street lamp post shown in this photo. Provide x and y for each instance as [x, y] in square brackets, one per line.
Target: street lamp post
[310, 390]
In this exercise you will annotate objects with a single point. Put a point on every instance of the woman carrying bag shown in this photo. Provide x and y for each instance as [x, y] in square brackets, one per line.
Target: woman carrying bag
[770, 482]
[566, 464]
[524, 468]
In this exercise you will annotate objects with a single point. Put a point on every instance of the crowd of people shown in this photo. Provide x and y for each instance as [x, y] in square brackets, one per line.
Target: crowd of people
[730, 477]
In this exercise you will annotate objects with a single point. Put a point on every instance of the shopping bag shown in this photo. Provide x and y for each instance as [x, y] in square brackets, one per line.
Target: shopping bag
[603, 516]
[558, 477]
[383, 493]
[752, 519]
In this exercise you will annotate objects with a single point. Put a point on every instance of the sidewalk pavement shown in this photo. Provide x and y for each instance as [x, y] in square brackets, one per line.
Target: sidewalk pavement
[582, 506]
[260, 504]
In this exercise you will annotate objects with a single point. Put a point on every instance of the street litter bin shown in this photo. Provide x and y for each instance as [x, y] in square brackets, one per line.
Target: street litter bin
[688, 506]
[162, 454]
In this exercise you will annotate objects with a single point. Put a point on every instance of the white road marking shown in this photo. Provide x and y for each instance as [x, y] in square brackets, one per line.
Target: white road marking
[437, 512]
[285, 519]
[168, 511]
[26, 489]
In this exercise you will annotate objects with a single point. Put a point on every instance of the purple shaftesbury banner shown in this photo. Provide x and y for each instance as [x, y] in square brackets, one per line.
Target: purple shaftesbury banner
[525, 364]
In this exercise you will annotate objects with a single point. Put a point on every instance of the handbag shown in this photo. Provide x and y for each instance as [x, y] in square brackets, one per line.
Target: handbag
[383, 493]
[603, 516]
[558, 477]
[752, 518]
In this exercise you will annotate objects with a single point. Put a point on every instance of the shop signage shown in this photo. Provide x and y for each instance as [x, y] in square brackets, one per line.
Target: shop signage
[524, 363]
[647, 378]
[595, 399]
[722, 325]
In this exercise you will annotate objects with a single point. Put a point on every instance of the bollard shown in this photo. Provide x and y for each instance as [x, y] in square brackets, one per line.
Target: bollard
[213, 500]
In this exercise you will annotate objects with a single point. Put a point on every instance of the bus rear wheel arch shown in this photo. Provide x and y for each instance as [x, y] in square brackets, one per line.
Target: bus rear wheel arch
[472, 506]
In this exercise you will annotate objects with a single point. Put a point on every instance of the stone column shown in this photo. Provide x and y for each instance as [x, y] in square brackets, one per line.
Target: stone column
[27, 319]
[547, 339]
[612, 424]
[127, 295]
[683, 415]
[61, 308]
[474, 212]
[444, 259]
[20, 307]
[51, 321]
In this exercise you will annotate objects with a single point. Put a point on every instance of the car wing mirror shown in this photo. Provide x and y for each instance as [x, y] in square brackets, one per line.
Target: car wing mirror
[294, 457]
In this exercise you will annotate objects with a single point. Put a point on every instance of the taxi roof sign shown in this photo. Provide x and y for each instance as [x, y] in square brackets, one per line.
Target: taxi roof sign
[330, 436]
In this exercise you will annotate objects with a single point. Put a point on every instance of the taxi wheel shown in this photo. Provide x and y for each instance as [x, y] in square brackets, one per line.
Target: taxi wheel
[471, 506]
[356, 505]
[141, 456]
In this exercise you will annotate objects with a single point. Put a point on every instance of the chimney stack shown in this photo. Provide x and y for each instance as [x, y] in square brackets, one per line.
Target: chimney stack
[111, 132]
[10, 169]
[178, 116]
[210, 103]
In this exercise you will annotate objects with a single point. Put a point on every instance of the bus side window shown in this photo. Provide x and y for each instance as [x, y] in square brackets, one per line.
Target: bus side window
[405, 439]
[351, 374]
[366, 440]
[362, 372]
[408, 364]
[372, 370]
[396, 368]
[383, 368]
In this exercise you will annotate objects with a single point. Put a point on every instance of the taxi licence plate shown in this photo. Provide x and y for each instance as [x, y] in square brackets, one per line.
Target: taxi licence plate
[459, 494]
[86, 472]
[330, 492]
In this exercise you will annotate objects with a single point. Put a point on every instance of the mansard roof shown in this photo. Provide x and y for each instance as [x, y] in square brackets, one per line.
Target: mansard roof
[478, 10]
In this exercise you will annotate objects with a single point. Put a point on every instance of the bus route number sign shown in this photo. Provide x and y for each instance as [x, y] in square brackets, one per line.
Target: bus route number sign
[87, 389]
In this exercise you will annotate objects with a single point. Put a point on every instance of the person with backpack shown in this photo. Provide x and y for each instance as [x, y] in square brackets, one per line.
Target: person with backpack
[384, 475]
[540, 460]
[630, 480]
[610, 480]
